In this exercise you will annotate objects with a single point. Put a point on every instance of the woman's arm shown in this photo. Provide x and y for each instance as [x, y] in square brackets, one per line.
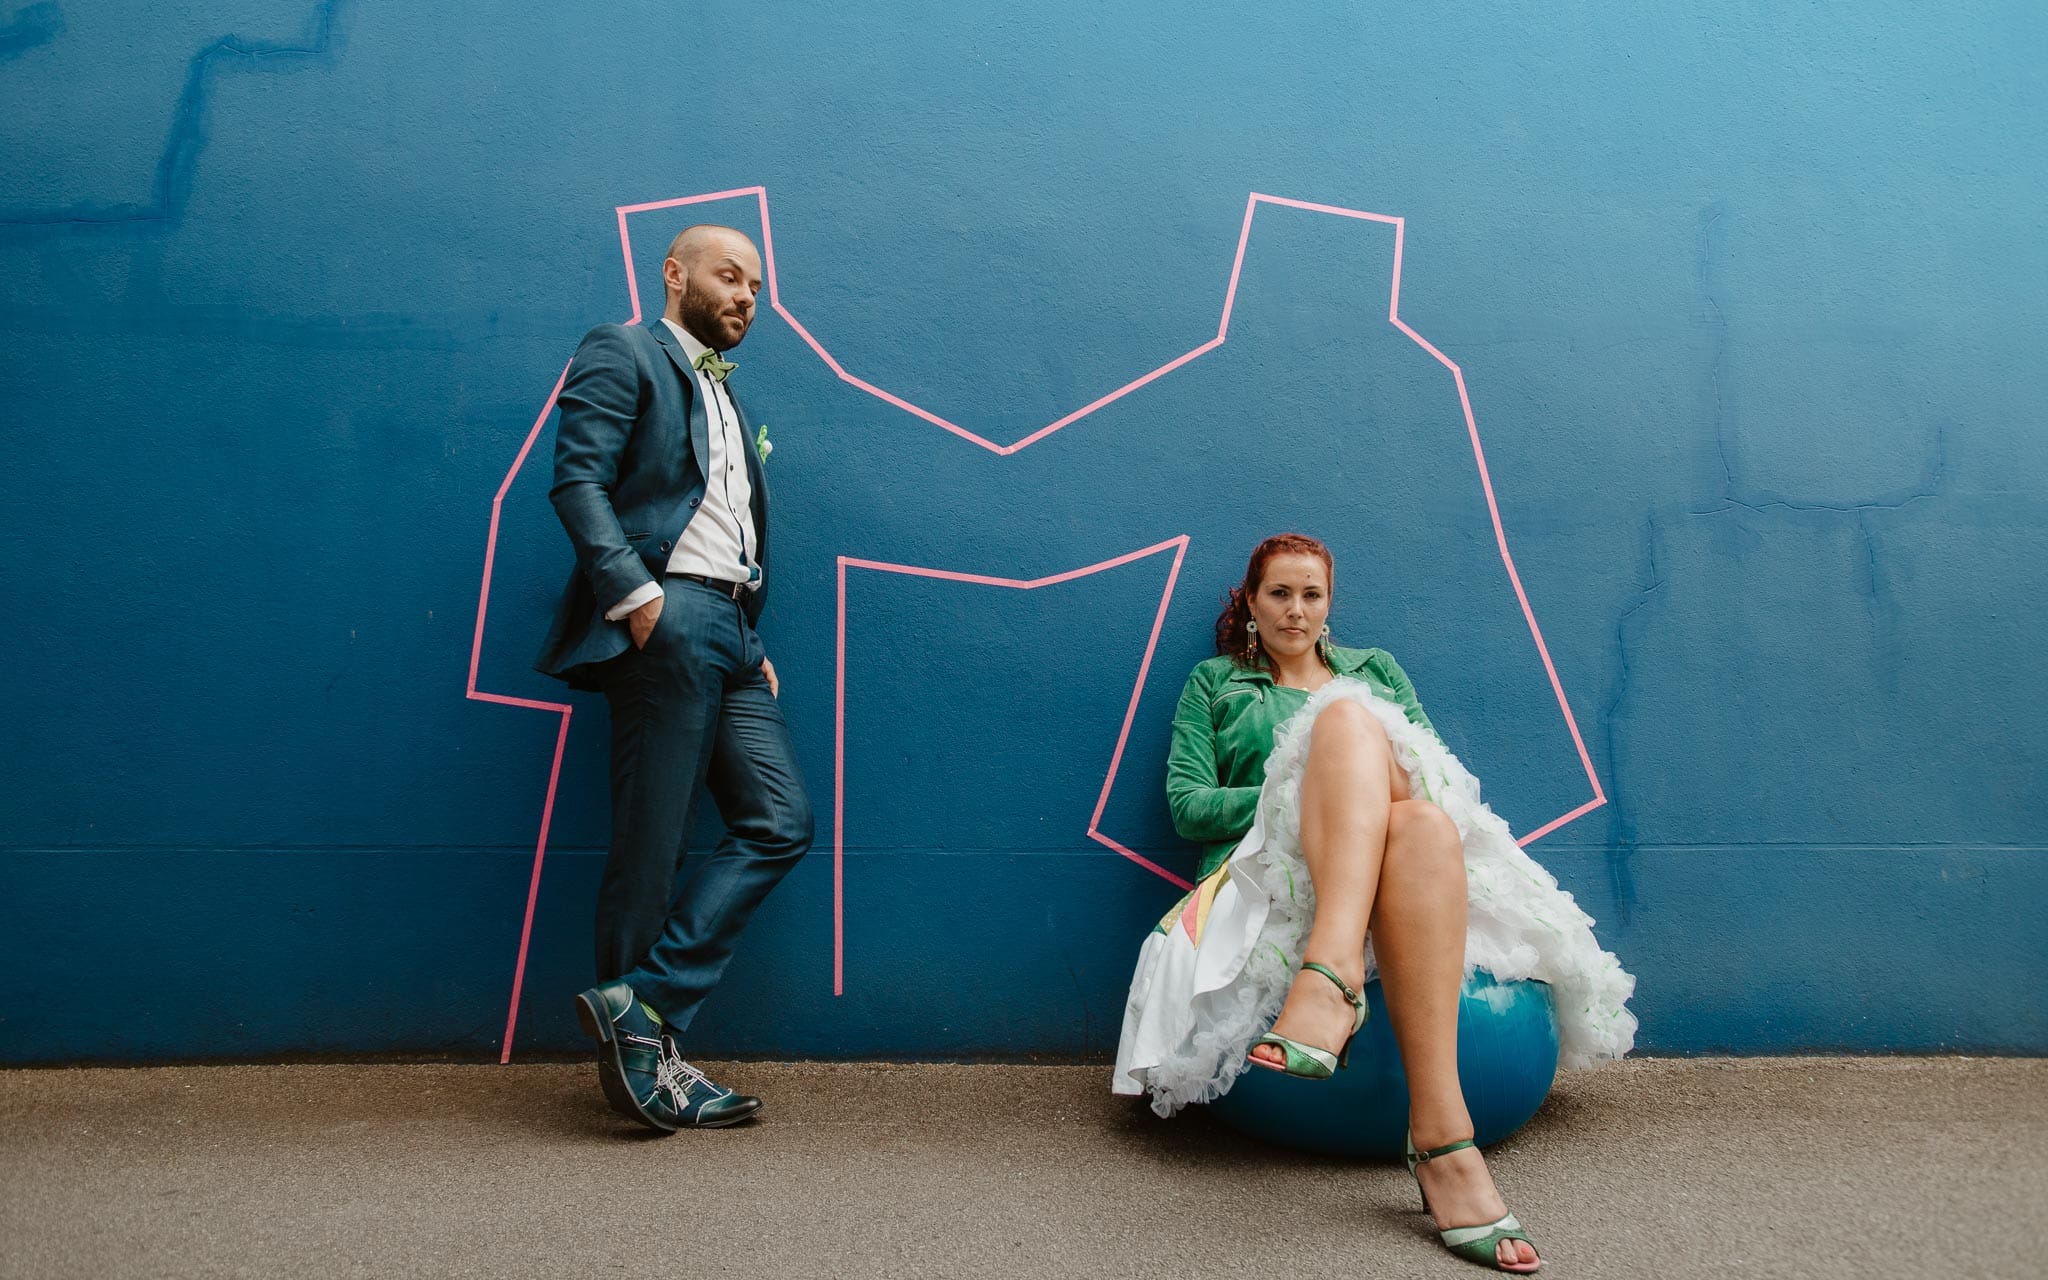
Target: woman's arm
[1202, 811]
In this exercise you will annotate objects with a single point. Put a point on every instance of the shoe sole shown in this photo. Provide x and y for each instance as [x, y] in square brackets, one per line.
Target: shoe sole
[728, 1122]
[611, 1070]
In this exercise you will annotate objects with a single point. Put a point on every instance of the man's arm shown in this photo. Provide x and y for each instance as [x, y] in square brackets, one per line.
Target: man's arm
[599, 403]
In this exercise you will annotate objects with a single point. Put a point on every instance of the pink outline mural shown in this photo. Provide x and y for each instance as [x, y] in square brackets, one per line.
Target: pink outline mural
[1179, 546]
[760, 195]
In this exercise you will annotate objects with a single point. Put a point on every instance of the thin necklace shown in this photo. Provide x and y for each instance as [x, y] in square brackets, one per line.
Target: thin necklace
[1280, 682]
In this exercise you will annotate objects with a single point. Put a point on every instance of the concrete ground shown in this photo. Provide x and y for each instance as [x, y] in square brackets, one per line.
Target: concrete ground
[1777, 1167]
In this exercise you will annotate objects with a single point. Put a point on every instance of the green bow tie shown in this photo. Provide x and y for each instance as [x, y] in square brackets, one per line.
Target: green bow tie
[707, 361]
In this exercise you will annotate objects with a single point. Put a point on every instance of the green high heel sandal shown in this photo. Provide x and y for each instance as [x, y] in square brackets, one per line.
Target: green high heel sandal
[1480, 1244]
[1305, 1060]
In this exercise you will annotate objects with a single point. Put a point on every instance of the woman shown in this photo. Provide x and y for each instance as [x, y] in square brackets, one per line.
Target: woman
[1291, 754]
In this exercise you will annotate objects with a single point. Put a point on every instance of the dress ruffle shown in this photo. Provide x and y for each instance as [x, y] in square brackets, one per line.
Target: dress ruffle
[1200, 997]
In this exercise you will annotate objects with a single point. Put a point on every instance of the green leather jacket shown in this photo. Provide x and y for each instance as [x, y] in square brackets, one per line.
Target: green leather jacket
[1223, 732]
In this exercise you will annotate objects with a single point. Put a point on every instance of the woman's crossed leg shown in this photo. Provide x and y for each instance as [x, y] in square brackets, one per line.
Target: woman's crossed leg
[1385, 861]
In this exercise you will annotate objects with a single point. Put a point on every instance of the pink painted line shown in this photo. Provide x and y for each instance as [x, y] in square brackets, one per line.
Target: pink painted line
[1020, 584]
[816, 346]
[679, 201]
[1339, 210]
[775, 302]
[1478, 453]
[1178, 544]
[531, 704]
[1141, 860]
[1244, 239]
[1557, 822]
[774, 293]
[1507, 558]
[1441, 358]
[1117, 394]
[831, 362]
[540, 850]
[476, 648]
[1394, 289]
[839, 797]
[483, 597]
[760, 195]
[1123, 736]
[926, 414]
[490, 565]
[1116, 757]
[1500, 537]
[626, 240]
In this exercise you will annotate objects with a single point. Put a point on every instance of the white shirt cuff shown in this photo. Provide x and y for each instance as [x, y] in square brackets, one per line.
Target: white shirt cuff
[641, 595]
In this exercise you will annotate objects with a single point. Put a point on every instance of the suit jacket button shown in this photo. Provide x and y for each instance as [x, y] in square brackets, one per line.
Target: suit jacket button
[695, 501]
[664, 548]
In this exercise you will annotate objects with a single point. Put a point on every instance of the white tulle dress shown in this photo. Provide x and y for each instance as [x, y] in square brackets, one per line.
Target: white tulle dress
[1212, 977]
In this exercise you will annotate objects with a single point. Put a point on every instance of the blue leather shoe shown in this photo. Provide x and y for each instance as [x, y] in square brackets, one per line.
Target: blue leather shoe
[697, 1102]
[629, 1055]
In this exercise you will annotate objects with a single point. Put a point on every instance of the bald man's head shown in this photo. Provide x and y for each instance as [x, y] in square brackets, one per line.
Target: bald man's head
[712, 274]
[691, 241]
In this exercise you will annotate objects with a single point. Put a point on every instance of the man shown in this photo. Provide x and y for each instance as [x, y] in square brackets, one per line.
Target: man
[658, 483]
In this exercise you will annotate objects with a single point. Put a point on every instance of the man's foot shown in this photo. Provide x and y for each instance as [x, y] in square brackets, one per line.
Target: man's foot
[699, 1103]
[1315, 1013]
[629, 1056]
[629, 1053]
[1460, 1193]
[644, 1077]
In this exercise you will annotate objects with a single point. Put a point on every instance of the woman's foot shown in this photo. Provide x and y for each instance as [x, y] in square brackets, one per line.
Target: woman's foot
[1316, 1013]
[1461, 1194]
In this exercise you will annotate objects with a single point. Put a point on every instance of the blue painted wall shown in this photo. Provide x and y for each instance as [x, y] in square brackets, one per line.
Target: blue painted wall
[1750, 301]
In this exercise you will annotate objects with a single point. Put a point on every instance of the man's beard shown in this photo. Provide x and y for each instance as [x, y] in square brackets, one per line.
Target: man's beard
[704, 316]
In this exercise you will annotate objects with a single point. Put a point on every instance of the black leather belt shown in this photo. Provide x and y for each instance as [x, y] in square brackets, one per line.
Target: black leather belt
[730, 590]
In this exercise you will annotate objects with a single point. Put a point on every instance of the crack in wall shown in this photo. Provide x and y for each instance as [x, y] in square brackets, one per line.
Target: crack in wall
[1875, 584]
[1707, 250]
[1621, 850]
[1934, 477]
[35, 25]
[1709, 253]
[186, 138]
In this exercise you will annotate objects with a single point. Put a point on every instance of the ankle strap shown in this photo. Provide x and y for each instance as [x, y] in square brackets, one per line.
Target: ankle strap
[1350, 996]
[1444, 1150]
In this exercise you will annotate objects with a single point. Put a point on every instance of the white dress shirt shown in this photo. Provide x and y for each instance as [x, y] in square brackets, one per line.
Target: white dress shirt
[720, 541]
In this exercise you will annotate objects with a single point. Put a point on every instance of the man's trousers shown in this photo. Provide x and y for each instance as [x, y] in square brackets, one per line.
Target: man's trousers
[691, 708]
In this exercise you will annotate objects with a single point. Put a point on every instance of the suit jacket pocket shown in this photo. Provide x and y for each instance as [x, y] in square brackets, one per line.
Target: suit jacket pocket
[637, 544]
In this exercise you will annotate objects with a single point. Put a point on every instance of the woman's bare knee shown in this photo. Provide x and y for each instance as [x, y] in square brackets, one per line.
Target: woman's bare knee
[1348, 711]
[1346, 725]
[1425, 836]
[1425, 821]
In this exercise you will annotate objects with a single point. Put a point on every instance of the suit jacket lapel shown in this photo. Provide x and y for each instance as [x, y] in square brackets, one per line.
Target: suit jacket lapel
[700, 428]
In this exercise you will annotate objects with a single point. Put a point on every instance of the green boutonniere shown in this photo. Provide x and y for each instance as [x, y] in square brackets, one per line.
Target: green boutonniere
[762, 444]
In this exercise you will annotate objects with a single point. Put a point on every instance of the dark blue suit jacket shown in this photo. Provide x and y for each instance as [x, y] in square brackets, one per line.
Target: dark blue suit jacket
[628, 477]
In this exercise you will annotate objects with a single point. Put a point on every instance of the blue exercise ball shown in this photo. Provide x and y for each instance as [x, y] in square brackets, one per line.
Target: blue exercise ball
[1507, 1058]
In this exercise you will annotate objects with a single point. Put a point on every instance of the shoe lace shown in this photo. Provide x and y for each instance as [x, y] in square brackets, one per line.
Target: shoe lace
[676, 1075]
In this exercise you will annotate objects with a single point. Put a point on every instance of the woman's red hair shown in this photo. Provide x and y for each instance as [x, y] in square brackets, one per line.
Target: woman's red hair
[1231, 633]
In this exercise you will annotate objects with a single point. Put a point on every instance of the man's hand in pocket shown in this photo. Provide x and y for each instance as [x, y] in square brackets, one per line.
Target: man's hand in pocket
[641, 622]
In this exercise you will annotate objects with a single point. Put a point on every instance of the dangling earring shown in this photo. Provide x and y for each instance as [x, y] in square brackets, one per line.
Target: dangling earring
[1323, 645]
[1251, 640]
